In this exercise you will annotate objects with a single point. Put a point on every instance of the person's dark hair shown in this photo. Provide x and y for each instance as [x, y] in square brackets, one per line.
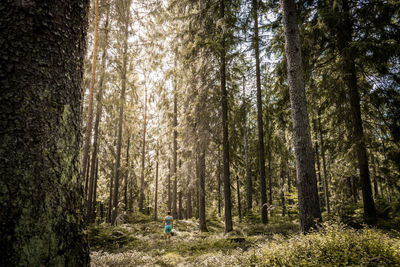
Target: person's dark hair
[169, 212]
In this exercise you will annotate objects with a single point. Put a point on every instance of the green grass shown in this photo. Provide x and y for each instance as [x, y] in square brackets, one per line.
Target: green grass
[250, 244]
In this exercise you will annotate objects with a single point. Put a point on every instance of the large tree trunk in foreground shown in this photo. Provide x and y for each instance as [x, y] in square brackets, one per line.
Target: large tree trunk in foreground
[225, 140]
[350, 78]
[309, 209]
[261, 156]
[40, 117]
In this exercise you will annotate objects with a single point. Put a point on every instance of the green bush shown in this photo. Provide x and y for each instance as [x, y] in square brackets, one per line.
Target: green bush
[333, 245]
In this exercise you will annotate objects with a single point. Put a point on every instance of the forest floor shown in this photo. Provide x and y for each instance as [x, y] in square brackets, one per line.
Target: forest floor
[250, 244]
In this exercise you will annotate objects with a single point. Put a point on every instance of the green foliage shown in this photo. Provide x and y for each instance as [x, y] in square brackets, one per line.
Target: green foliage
[333, 245]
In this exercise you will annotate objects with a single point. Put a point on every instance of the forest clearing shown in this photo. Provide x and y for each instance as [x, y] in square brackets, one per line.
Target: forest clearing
[253, 244]
[200, 133]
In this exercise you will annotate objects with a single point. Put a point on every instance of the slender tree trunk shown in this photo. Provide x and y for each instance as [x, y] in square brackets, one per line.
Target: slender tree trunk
[189, 201]
[350, 78]
[225, 139]
[87, 180]
[175, 157]
[326, 181]
[283, 168]
[94, 202]
[202, 189]
[309, 209]
[317, 151]
[99, 108]
[120, 121]
[156, 192]
[141, 193]
[249, 186]
[238, 197]
[376, 193]
[169, 185]
[41, 70]
[130, 205]
[219, 184]
[126, 176]
[261, 156]
[88, 132]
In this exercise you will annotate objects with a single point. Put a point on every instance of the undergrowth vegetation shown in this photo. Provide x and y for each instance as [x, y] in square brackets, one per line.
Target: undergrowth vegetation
[275, 244]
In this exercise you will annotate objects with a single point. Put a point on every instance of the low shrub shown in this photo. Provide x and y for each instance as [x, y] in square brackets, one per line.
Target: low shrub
[333, 245]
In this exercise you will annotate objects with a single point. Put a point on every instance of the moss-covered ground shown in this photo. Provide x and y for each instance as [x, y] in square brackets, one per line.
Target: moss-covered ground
[251, 244]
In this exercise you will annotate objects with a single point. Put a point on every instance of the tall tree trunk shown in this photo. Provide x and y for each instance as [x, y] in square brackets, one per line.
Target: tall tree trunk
[88, 132]
[202, 189]
[318, 162]
[350, 77]
[99, 108]
[326, 181]
[189, 201]
[156, 192]
[261, 156]
[169, 185]
[219, 184]
[141, 193]
[126, 176]
[94, 202]
[225, 139]
[249, 186]
[376, 193]
[283, 168]
[309, 209]
[238, 198]
[43, 46]
[175, 157]
[120, 121]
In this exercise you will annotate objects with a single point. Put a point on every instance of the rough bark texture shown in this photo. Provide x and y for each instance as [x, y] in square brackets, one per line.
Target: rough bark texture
[350, 77]
[88, 132]
[261, 155]
[202, 191]
[225, 139]
[41, 195]
[309, 209]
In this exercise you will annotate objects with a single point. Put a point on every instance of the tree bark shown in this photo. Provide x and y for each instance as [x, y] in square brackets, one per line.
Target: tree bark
[43, 46]
[169, 185]
[249, 186]
[326, 181]
[202, 190]
[141, 193]
[261, 156]
[348, 53]
[219, 184]
[126, 176]
[88, 132]
[97, 123]
[156, 192]
[175, 157]
[225, 139]
[238, 198]
[114, 212]
[309, 209]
